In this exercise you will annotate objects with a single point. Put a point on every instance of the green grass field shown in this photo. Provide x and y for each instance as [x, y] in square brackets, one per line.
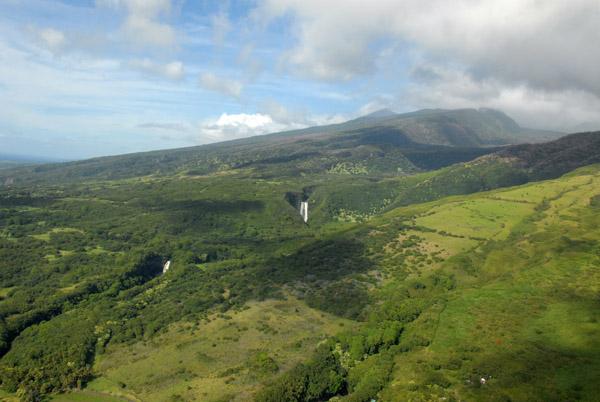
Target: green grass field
[85, 396]
[210, 360]
[530, 326]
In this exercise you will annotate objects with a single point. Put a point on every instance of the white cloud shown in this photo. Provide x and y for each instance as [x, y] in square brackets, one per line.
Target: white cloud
[541, 56]
[296, 117]
[107, 3]
[221, 27]
[273, 118]
[253, 66]
[545, 44]
[225, 86]
[377, 103]
[54, 40]
[143, 32]
[173, 71]
[143, 8]
[333, 36]
[231, 126]
[141, 26]
[251, 121]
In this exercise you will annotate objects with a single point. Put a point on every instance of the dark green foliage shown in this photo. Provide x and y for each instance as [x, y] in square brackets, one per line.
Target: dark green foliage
[262, 365]
[315, 380]
[371, 339]
[345, 299]
[369, 377]
[322, 376]
[369, 349]
[434, 158]
[511, 167]
[33, 366]
[437, 378]
[553, 159]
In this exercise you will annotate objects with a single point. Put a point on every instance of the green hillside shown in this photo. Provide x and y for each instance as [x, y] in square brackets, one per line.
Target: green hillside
[388, 146]
[511, 166]
[391, 290]
[496, 293]
[519, 310]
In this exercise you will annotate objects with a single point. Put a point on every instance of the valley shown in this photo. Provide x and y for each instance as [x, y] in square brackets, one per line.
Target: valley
[437, 261]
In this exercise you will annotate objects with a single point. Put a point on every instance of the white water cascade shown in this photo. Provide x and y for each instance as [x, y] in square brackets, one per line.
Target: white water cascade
[166, 266]
[304, 210]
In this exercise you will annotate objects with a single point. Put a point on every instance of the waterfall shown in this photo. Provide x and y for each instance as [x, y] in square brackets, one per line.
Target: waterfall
[304, 210]
[166, 267]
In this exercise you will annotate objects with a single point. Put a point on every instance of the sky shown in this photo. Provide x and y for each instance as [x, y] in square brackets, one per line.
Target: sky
[86, 78]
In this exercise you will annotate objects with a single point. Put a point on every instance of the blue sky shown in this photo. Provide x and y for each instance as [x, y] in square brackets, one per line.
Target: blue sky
[101, 77]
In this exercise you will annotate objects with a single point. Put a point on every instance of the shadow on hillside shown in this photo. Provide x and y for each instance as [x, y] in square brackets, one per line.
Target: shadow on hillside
[381, 135]
[26, 200]
[324, 274]
[218, 206]
[200, 207]
[535, 372]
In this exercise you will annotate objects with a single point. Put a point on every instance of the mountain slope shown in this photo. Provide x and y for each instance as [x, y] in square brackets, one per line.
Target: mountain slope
[496, 294]
[535, 265]
[552, 159]
[385, 143]
[512, 166]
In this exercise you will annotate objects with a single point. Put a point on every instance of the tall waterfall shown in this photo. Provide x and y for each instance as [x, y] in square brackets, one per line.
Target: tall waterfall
[304, 210]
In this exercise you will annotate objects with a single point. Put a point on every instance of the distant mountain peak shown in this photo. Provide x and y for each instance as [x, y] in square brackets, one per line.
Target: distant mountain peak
[381, 113]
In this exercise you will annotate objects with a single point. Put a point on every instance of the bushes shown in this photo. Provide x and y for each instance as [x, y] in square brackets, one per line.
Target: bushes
[344, 298]
[369, 377]
[370, 364]
[262, 365]
[43, 360]
[371, 339]
[319, 378]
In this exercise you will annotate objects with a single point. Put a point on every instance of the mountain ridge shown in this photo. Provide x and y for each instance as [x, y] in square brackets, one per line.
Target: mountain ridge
[397, 135]
[511, 166]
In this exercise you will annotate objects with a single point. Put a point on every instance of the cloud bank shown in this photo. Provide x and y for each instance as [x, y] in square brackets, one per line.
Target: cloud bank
[453, 54]
[546, 45]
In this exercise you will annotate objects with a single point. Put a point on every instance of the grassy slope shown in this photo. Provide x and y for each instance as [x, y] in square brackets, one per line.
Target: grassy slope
[524, 311]
[211, 360]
